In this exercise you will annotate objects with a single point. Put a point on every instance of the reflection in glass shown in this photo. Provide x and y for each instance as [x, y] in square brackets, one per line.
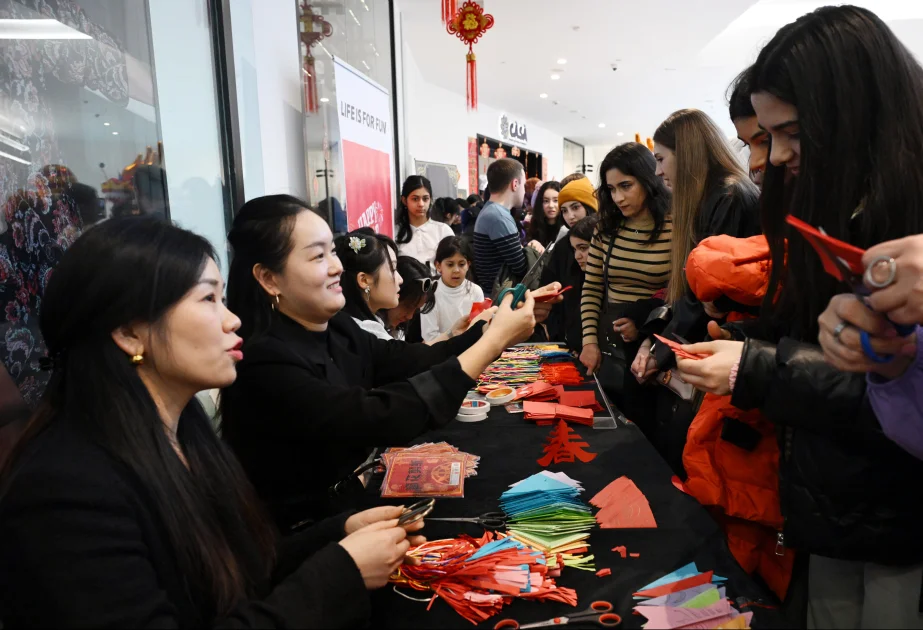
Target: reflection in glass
[79, 143]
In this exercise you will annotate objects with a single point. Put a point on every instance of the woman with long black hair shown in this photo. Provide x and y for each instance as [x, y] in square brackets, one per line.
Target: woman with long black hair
[546, 216]
[315, 393]
[840, 97]
[120, 506]
[417, 234]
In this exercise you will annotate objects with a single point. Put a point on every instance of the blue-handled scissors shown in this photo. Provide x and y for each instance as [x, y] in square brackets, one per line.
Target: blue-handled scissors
[857, 284]
[599, 612]
[519, 291]
[488, 520]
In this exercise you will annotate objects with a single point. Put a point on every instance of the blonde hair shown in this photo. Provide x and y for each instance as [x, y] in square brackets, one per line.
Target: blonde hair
[704, 160]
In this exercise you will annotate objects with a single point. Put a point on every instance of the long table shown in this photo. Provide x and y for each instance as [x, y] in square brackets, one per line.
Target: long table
[509, 446]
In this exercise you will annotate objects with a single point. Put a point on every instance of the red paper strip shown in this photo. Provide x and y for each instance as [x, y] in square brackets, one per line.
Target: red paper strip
[603, 572]
[564, 445]
[548, 297]
[635, 555]
[622, 551]
[561, 374]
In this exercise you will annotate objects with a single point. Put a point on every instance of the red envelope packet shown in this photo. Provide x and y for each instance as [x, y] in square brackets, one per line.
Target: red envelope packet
[437, 475]
[850, 255]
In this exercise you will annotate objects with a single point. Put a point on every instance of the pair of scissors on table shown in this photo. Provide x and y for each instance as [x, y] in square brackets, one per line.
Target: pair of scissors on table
[857, 284]
[599, 612]
[519, 291]
[489, 520]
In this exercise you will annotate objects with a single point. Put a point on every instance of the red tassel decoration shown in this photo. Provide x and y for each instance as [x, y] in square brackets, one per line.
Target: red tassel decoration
[310, 85]
[472, 90]
[449, 9]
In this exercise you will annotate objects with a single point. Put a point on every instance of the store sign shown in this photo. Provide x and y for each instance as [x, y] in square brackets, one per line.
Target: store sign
[512, 130]
[364, 112]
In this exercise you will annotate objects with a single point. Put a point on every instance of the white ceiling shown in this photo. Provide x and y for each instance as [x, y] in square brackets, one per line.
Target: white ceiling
[670, 54]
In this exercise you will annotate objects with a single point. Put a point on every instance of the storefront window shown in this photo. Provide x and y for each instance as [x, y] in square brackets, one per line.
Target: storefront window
[357, 32]
[82, 140]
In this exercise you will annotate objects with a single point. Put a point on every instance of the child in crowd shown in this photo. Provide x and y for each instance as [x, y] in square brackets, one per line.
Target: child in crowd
[454, 292]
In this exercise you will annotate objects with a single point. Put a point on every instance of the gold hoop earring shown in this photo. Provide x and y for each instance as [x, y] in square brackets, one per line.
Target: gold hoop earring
[368, 293]
[137, 360]
[275, 304]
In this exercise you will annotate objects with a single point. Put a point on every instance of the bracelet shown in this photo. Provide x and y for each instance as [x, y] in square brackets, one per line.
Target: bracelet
[732, 376]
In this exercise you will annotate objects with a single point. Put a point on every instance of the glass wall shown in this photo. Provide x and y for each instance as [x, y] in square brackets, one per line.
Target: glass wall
[359, 33]
[97, 115]
[573, 158]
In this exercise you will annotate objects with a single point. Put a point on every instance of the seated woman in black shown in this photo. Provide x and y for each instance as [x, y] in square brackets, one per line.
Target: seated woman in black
[120, 506]
[315, 392]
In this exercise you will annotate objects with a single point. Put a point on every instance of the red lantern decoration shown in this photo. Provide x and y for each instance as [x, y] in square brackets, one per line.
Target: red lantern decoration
[309, 38]
[468, 24]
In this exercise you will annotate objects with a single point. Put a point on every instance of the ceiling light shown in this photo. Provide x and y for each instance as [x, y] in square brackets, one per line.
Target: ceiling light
[555, 77]
[105, 124]
[601, 125]
[620, 134]
[324, 99]
[115, 133]
[14, 158]
[543, 95]
[562, 61]
[355, 19]
[38, 29]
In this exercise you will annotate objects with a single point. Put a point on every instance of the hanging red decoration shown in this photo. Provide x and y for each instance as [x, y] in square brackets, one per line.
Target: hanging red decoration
[449, 9]
[309, 38]
[468, 24]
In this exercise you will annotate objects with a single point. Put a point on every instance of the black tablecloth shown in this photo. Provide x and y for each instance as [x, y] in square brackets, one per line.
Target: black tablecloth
[509, 447]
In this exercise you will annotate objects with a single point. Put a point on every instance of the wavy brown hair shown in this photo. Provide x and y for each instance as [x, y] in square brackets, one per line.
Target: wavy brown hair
[704, 161]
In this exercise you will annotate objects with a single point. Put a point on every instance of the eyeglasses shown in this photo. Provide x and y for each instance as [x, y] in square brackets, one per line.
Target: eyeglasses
[427, 284]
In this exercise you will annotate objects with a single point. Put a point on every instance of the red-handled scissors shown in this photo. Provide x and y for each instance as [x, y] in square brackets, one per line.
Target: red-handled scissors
[599, 613]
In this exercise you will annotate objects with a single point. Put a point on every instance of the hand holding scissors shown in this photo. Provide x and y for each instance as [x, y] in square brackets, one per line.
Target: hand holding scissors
[488, 520]
[599, 613]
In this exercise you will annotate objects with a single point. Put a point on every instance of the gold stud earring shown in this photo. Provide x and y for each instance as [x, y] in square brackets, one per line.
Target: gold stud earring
[138, 359]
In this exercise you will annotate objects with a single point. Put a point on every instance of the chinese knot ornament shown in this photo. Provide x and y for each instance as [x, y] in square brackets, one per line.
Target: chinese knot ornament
[468, 24]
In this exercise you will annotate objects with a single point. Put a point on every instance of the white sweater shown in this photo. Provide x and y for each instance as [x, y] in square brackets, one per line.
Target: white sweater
[451, 305]
[424, 240]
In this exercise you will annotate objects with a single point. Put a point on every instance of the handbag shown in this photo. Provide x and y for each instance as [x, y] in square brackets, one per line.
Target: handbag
[668, 376]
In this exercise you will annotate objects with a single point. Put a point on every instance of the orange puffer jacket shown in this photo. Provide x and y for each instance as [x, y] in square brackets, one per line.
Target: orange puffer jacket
[732, 456]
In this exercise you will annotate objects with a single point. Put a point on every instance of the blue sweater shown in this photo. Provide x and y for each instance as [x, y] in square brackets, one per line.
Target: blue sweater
[496, 241]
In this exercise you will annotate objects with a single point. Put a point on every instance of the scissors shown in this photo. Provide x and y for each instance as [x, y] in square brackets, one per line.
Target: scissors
[598, 613]
[857, 283]
[488, 520]
[416, 512]
[519, 291]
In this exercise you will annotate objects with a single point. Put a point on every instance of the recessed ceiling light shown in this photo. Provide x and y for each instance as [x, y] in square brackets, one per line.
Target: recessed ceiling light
[620, 134]
[543, 95]
[325, 100]
[115, 133]
[38, 29]
[562, 61]
[105, 124]
[555, 77]
[601, 125]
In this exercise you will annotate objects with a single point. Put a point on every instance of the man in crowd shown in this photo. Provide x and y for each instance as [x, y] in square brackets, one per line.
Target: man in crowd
[496, 235]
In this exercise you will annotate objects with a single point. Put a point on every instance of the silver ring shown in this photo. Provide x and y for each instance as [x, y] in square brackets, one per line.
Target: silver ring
[892, 272]
[839, 330]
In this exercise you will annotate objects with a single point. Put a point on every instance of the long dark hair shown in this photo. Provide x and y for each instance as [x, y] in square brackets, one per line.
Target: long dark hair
[414, 273]
[858, 92]
[539, 228]
[634, 160]
[412, 183]
[739, 105]
[372, 252]
[261, 235]
[135, 269]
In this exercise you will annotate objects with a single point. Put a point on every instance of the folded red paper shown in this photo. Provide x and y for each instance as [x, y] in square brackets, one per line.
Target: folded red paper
[623, 506]
[849, 254]
[539, 391]
[479, 307]
[538, 411]
[582, 398]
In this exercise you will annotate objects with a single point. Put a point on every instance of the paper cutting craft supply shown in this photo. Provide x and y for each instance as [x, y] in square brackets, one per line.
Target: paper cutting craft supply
[488, 520]
[416, 512]
[634, 555]
[677, 349]
[472, 417]
[623, 506]
[473, 407]
[548, 297]
[561, 373]
[688, 599]
[515, 367]
[478, 576]
[471, 465]
[581, 398]
[603, 572]
[479, 307]
[599, 613]
[545, 512]
[501, 396]
[565, 445]
[539, 391]
[415, 475]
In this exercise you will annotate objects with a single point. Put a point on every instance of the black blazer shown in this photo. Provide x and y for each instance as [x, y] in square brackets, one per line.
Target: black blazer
[83, 546]
[307, 407]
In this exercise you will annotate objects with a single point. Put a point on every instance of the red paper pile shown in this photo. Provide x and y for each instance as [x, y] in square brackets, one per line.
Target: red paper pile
[564, 445]
[561, 374]
[427, 470]
[478, 576]
[623, 506]
[544, 413]
[539, 391]
[583, 398]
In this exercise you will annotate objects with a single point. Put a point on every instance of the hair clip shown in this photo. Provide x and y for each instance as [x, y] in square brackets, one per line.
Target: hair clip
[356, 243]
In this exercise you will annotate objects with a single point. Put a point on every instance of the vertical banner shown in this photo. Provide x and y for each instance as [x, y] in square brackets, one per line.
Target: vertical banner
[472, 166]
[364, 112]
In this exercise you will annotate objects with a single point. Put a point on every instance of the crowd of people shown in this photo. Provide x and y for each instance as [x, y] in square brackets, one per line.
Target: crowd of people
[122, 506]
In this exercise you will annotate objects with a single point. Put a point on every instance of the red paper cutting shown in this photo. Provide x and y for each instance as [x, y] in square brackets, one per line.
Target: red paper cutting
[635, 555]
[622, 551]
[849, 254]
[479, 307]
[678, 349]
[623, 506]
[675, 587]
[564, 445]
[548, 297]
[603, 572]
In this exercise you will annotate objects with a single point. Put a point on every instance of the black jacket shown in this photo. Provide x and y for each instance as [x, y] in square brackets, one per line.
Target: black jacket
[731, 210]
[847, 491]
[563, 322]
[307, 407]
[83, 546]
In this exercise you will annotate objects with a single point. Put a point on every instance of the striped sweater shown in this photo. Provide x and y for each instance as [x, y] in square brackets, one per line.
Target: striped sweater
[635, 271]
[496, 241]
